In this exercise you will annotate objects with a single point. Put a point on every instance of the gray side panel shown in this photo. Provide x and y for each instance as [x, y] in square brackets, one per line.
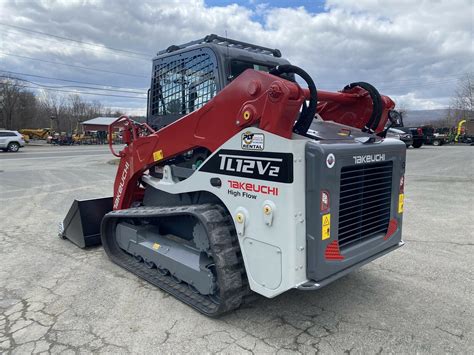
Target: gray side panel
[180, 260]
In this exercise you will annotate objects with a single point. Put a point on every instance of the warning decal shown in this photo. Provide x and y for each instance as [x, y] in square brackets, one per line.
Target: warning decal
[400, 203]
[158, 155]
[326, 223]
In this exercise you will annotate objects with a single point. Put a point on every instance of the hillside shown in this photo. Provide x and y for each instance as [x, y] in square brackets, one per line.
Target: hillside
[419, 117]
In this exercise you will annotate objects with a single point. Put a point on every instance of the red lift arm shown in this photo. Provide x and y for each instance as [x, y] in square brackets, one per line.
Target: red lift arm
[252, 99]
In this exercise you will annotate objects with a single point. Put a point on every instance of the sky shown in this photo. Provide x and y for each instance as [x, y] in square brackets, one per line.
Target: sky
[413, 51]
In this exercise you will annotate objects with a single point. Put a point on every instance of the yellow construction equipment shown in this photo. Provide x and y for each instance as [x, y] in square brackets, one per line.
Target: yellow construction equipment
[36, 133]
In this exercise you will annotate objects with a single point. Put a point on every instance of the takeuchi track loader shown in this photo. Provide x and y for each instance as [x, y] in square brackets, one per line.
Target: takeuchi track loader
[244, 182]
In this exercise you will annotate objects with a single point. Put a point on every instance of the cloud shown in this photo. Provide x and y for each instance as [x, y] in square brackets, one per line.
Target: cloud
[413, 51]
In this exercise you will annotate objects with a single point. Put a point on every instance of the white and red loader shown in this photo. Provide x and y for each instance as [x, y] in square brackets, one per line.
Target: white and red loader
[244, 182]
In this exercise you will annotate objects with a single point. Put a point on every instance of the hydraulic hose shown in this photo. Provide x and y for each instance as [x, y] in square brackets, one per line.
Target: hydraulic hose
[307, 114]
[377, 109]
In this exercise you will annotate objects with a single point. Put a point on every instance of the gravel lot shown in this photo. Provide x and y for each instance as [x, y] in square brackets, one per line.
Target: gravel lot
[55, 297]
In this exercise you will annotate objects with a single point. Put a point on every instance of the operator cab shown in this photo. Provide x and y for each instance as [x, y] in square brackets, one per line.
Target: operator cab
[185, 77]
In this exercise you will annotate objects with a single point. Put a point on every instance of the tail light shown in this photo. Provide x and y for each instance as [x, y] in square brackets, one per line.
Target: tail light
[402, 184]
[332, 251]
[324, 200]
[392, 228]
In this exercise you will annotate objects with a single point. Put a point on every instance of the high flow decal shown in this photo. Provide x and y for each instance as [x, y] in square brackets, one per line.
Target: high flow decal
[369, 158]
[268, 166]
[253, 141]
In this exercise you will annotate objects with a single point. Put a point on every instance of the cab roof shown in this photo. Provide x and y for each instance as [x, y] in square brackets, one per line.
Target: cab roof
[222, 43]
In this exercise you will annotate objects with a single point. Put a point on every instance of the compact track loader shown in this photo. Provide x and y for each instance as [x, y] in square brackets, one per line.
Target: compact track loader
[243, 182]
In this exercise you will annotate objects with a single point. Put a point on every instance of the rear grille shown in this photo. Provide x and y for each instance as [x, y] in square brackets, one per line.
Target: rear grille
[365, 201]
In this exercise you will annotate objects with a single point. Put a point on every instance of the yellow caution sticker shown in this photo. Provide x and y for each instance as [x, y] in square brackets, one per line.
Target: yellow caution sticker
[156, 246]
[400, 203]
[326, 223]
[158, 155]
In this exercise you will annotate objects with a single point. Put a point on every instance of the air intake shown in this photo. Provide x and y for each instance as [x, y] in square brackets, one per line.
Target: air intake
[365, 201]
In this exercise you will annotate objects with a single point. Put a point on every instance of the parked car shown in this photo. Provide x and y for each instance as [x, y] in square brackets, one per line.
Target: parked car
[397, 133]
[11, 141]
[417, 135]
[436, 139]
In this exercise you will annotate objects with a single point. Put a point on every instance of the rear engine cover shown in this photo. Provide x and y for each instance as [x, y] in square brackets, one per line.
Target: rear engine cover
[362, 220]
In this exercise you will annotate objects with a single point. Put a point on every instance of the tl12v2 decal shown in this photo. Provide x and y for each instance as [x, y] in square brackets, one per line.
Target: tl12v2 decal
[267, 166]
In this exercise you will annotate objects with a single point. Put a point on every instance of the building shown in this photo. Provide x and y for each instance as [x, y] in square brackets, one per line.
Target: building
[98, 124]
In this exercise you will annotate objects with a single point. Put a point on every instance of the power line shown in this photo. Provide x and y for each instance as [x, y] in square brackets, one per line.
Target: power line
[142, 54]
[76, 86]
[79, 92]
[421, 79]
[58, 42]
[387, 85]
[407, 82]
[65, 80]
[414, 86]
[128, 108]
[73, 66]
[384, 88]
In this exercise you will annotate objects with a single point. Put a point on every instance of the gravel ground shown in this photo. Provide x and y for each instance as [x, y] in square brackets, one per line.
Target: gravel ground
[57, 298]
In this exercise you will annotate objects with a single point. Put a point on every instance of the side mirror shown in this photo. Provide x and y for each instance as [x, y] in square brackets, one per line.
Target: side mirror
[395, 118]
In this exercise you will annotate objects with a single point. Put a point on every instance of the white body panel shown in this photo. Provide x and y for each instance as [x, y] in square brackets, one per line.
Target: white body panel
[273, 244]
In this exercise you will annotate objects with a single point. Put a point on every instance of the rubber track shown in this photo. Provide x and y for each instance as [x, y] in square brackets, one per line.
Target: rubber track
[231, 277]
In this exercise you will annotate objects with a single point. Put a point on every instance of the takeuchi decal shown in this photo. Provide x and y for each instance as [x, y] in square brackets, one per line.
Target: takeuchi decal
[251, 187]
[123, 178]
[369, 158]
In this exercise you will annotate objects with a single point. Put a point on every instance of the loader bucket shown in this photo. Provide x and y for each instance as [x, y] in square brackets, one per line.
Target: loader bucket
[82, 223]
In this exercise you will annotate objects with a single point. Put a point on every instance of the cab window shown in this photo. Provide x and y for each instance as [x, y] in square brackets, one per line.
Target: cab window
[183, 84]
[237, 67]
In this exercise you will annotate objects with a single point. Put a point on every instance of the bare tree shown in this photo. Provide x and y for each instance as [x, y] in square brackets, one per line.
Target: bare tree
[77, 110]
[95, 109]
[462, 106]
[55, 106]
[25, 111]
[10, 92]
[451, 118]
[20, 108]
